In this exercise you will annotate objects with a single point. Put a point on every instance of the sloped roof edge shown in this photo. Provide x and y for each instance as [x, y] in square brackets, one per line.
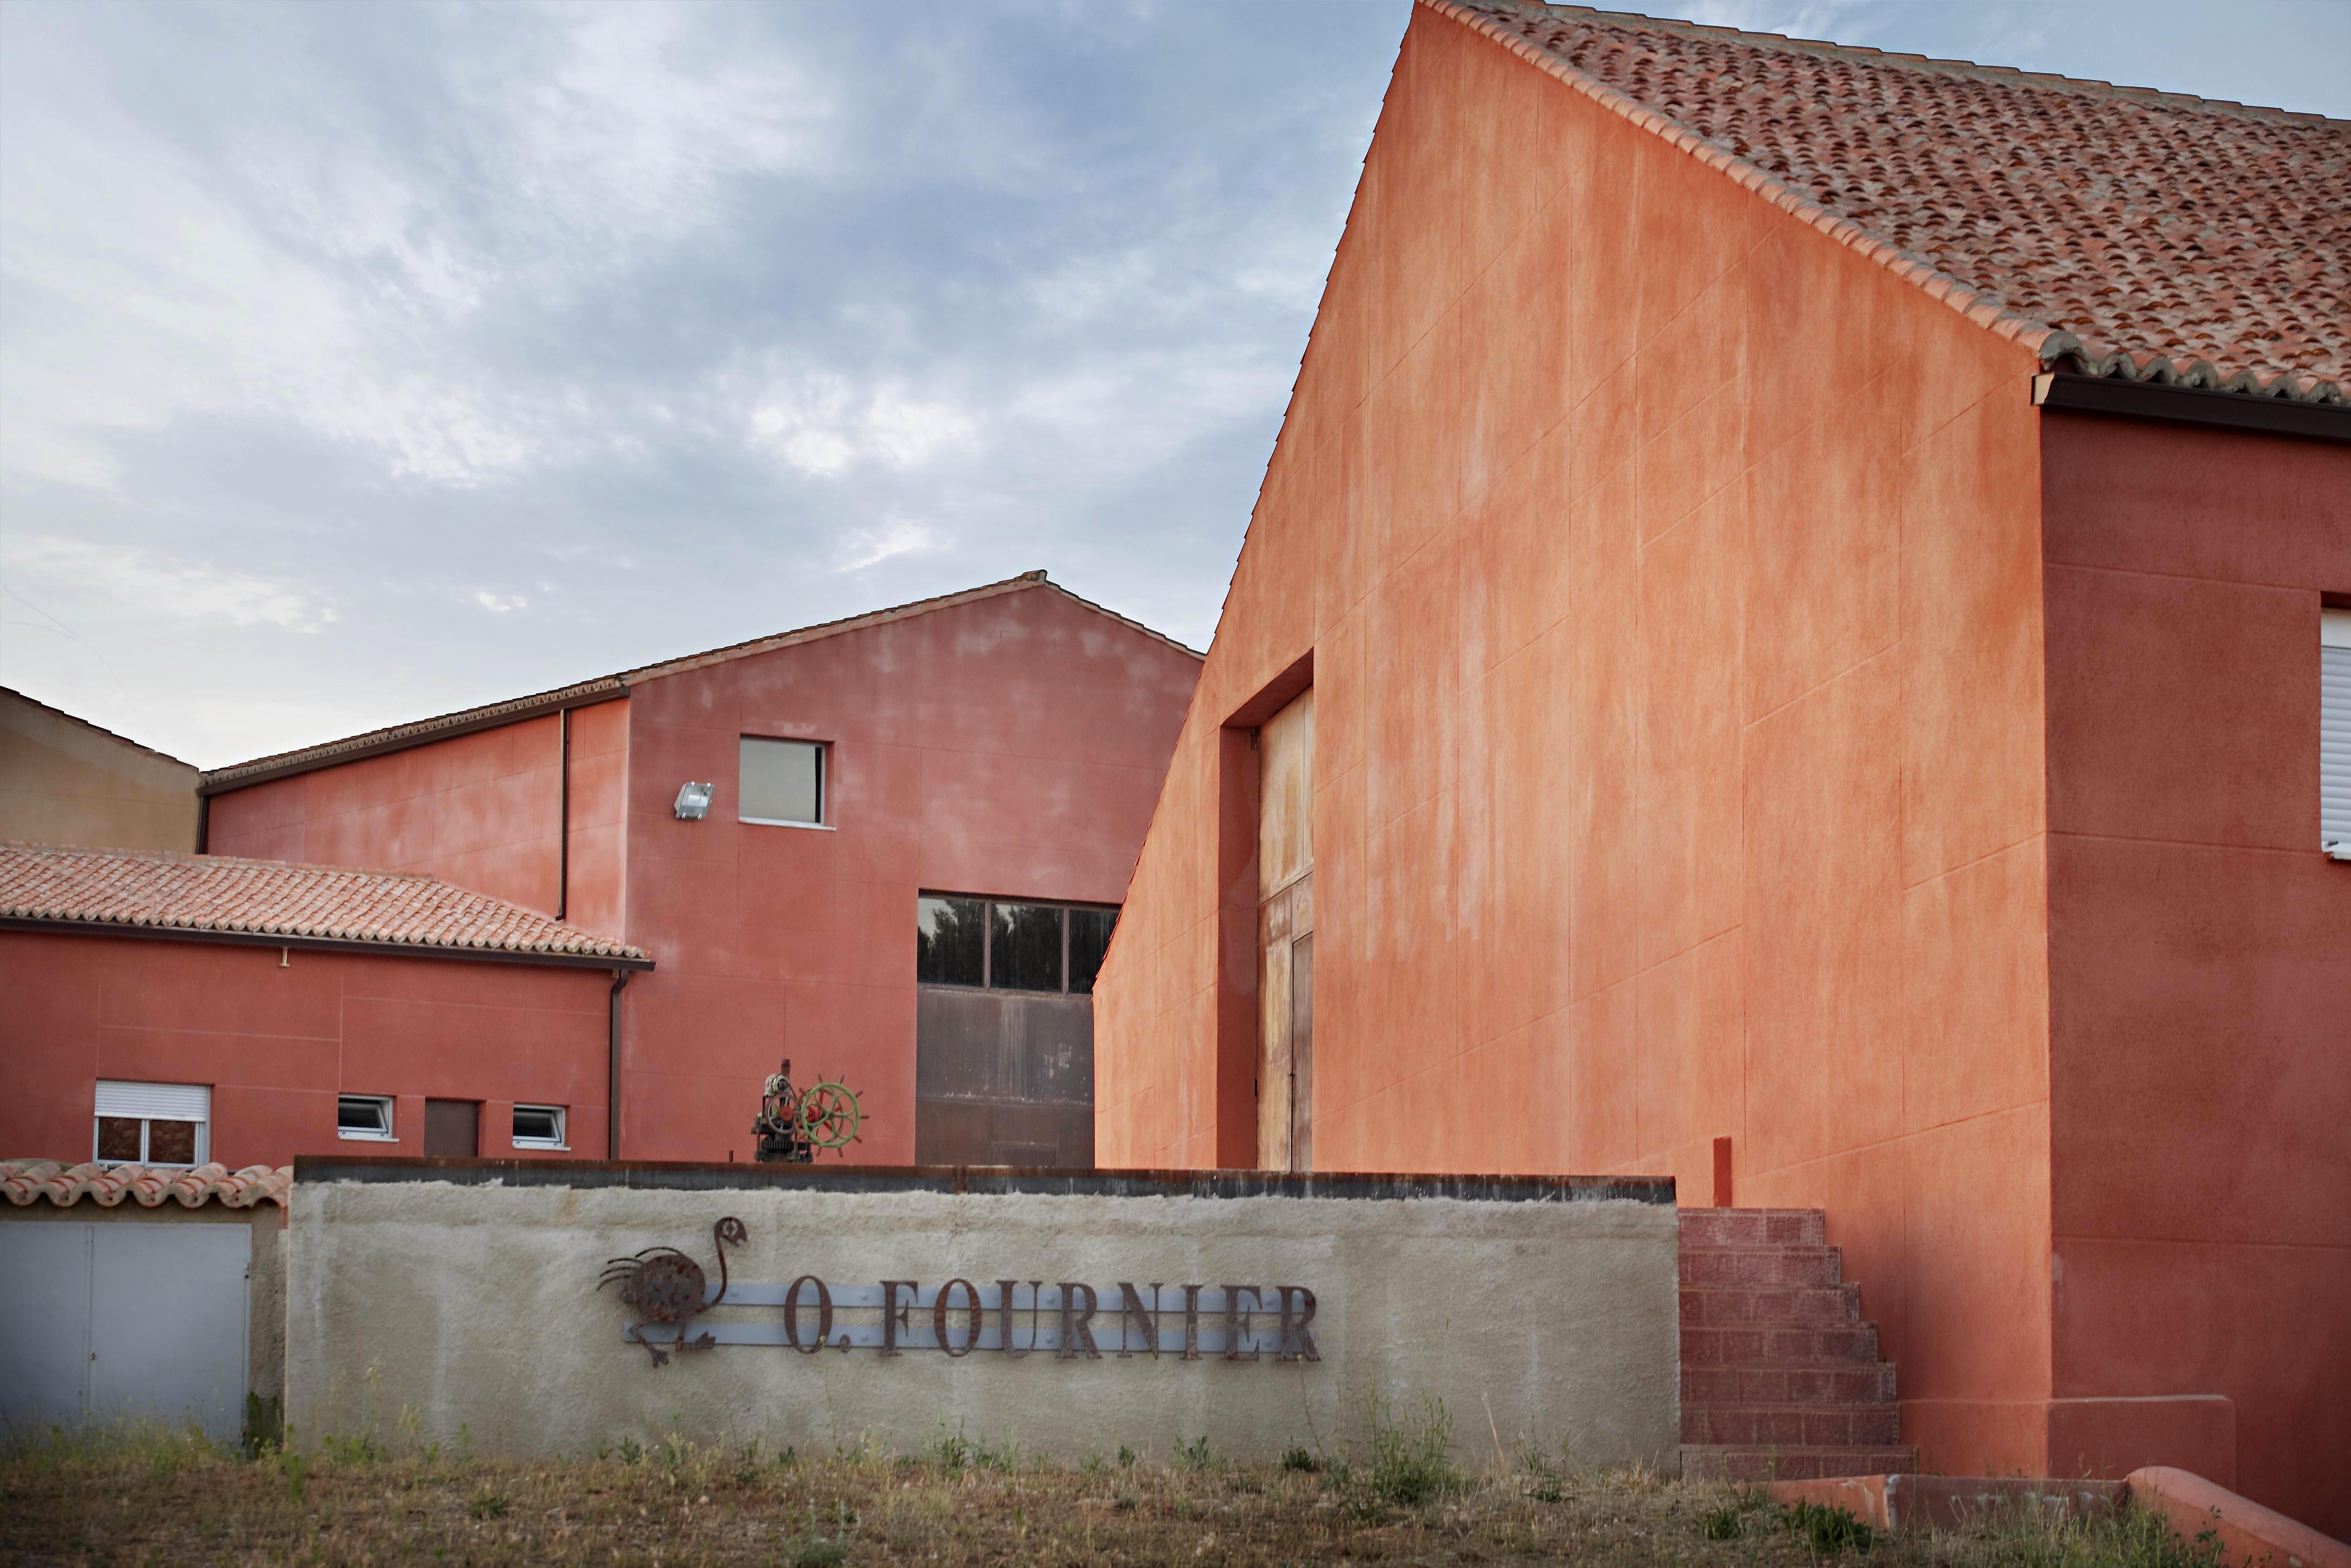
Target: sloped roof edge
[73, 888]
[95, 729]
[2050, 345]
[604, 689]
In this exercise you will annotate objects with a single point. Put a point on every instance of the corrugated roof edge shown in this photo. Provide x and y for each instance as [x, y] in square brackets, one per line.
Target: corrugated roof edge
[399, 737]
[2053, 344]
[100, 729]
[24, 1181]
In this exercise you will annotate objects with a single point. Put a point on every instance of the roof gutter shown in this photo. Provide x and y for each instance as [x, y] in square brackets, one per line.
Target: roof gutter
[322, 944]
[559, 702]
[2123, 399]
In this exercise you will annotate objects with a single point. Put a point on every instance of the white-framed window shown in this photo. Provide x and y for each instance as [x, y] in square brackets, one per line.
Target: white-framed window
[365, 1117]
[780, 783]
[2335, 732]
[539, 1126]
[152, 1123]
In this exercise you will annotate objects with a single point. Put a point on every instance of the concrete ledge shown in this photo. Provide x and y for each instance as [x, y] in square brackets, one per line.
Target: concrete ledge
[997, 1180]
[1914, 1502]
[2249, 1533]
[2250, 1536]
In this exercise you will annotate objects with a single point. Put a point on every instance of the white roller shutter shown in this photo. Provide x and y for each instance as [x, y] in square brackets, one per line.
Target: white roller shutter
[155, 1101]
[2335, 731]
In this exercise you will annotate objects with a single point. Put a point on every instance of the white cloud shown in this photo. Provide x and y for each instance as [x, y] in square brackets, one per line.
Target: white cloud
[864, 547]
[817, 424]
[148, 585]
[499, 605]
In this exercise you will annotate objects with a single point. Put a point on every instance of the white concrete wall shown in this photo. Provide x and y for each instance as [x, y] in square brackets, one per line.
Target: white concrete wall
[476, 1306]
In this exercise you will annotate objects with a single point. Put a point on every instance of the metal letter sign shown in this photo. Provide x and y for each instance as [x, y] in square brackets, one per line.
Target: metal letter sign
[666, 1291]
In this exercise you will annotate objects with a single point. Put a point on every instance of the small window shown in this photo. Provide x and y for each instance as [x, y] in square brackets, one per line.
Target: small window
[1089, 932]
[364, 1116]
[1025, 948]
[539, 1126]
[781, 782]
[949, 941]
[152, 1123]
[2335, 732]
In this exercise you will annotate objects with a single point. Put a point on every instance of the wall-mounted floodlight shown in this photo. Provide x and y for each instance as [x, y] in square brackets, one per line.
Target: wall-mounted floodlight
[694, 801]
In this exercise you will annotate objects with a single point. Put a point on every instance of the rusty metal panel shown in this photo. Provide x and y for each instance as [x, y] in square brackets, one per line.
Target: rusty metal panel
[1285, 830]
[1003, 1078]
[1302, 1051]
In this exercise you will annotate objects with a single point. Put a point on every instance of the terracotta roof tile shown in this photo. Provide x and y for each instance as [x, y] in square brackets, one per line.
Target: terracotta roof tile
[156, 888]
[2139, 234]
[22, 1181]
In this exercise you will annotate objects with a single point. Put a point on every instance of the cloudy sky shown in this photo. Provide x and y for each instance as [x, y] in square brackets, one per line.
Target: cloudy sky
[358, 362]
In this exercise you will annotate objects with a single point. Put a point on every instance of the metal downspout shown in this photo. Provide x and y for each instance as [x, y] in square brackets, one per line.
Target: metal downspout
[612, 1083]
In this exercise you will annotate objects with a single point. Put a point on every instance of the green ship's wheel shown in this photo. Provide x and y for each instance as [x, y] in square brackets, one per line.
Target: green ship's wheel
[829, 1116]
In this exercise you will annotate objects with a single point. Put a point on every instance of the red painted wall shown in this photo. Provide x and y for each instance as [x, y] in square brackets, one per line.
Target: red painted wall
[2199, 962]
[278, 1044]
[1671, 576]
[478, 810]
[1012, 746]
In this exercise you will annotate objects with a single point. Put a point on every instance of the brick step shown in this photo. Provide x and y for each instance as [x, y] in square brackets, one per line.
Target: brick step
[1793, 1426]
[1786, 1383]
[1745, 1462]
[1770, 1307]
[1791, 1265]
[1754, 1226]
[1752, 1345]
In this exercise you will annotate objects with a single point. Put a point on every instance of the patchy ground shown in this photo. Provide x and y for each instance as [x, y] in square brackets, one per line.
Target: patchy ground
[174, 1500]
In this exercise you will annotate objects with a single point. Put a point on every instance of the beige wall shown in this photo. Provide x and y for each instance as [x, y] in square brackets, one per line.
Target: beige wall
[65, 782]
[476, 1306]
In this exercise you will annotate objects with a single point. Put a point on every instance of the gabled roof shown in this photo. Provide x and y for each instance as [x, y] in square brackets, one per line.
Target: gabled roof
[159, 893]
[2137, 234]
[24, 1181]
[396, 737]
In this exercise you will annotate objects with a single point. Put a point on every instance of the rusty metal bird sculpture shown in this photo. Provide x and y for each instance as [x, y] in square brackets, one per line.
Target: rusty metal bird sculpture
[665, 1286]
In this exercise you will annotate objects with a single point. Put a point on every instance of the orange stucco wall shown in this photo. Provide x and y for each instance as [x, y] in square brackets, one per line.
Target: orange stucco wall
[1671, 576]
[2199, 962]
[277, 1041]
[479, 810]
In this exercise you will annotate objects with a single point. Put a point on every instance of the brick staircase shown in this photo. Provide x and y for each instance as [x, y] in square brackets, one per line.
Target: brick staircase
[1780, 1378]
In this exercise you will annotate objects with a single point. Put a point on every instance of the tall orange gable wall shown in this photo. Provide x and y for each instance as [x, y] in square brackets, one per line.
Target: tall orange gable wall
[1671, 576]
[482, 811]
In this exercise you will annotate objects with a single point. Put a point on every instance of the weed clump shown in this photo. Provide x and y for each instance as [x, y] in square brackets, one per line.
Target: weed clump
[1301, 1461]
[1412, 1464]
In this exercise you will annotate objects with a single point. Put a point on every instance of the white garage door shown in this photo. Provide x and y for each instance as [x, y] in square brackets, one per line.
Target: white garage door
[108, 1320]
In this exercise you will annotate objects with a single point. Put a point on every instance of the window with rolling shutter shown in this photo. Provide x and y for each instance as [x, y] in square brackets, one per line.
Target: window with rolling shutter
[2335, 732]
[152, 1123]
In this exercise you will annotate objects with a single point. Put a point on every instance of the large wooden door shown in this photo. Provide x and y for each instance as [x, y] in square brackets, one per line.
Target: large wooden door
[1285, 924]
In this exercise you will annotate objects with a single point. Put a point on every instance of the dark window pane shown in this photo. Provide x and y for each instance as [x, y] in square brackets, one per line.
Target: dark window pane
[118, 1137]
[171, 1143]
[1089, 932]
[947, 934]
[537, 1124]
[1026, 954]
[780, 780]
[362, 1113]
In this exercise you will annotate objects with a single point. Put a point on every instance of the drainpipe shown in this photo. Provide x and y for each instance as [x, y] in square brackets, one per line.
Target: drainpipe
[612, 1085]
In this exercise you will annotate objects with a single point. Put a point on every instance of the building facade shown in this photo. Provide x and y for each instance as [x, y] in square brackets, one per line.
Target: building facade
[180, 1011]
[888, 848]
[1751, 664]
[63, 780]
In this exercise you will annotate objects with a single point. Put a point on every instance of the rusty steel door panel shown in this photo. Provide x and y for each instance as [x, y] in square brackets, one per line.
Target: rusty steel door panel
[453, 1128]
[1285, 842]
[1003, 1078]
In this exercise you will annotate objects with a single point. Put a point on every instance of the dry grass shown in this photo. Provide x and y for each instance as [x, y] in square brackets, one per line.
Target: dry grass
[151, 1498]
